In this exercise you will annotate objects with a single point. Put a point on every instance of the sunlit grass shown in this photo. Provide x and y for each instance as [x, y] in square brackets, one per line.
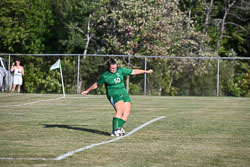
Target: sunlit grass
[197, 131]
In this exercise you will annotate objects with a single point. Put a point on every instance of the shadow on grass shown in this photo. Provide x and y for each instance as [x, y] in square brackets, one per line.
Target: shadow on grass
[76, 128]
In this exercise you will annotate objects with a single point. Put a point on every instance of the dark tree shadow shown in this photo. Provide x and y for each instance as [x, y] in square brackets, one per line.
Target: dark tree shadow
[76, 128]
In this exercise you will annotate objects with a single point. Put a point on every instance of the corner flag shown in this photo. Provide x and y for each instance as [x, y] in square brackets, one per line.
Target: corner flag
[55, 66]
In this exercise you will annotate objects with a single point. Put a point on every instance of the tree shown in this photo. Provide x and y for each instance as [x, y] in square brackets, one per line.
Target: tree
[227, 24]
[224, 21]
[153, 28]
[79, 24]
[24, 26]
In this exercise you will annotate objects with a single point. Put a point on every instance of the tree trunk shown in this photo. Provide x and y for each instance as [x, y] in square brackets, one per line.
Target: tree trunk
[208, 12]
[223, 26]
[79, 81]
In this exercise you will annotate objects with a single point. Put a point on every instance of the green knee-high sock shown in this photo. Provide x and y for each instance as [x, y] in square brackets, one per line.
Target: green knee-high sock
[118, 123]
[115, 123]
[121, 123]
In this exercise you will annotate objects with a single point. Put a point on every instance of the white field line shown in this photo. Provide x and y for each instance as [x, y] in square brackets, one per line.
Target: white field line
[108, 141]
[18, 105]
[19, 94]
[34, 102]
[32, 159]
[63, 156]
[83, 97]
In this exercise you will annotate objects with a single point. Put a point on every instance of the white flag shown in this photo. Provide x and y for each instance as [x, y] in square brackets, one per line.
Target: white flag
[56, 65]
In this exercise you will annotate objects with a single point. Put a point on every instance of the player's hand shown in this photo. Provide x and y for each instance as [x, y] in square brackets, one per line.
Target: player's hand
[149, 71]
[84, 92]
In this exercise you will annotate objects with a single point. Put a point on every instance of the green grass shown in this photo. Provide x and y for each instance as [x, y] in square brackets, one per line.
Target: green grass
[197, 131]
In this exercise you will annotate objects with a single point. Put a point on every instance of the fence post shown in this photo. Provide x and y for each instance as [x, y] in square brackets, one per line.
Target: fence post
[9, 83]
[9, 63]
[78, 76]
[128, 77]
[145, 77]
[218, 76]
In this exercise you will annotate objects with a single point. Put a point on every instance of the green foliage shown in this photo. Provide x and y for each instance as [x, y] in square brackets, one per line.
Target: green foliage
[24, 26]
[193, 84]
[101, 90]
[160, 83]
[235, 40]
[91, 69]
[69, 70]
[135, 89]
[78, 22]
[156, 28]
[239, 85]
[150, 28]
[38, 78]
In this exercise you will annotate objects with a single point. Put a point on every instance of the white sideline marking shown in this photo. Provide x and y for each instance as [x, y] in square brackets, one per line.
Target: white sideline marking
[108, 141]
[24, 104]
[25, 159]
[89, 146]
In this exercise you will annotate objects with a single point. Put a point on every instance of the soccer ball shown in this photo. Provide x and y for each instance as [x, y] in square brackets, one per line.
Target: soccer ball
[119, 132]
[123, 133]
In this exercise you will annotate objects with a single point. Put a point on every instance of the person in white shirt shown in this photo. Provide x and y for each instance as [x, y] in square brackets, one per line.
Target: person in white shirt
[18, 73]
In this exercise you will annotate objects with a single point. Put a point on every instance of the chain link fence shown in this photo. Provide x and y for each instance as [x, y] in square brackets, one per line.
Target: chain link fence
[172, 76]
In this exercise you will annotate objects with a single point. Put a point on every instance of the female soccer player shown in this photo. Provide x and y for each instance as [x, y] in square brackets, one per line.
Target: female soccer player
[116, 91]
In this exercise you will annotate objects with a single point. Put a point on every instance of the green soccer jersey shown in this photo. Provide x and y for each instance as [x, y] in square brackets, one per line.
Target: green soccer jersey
[114, 82]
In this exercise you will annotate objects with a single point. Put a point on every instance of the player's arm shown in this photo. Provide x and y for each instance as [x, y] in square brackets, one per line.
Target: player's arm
[12, 67]
[138, 71]
[22, 71]
[92, 87]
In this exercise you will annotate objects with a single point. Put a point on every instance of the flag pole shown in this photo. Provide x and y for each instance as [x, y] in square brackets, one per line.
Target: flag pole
[62, 80]
[56, 66]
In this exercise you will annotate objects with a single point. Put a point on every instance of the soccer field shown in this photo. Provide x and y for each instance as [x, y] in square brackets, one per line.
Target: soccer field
[46, 130]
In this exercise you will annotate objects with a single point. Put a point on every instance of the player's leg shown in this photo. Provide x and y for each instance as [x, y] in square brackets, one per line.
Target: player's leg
[13, 87]
[119, 107]
[20, 81]
[15, 82]
[122, 105]
[126, 111]
[121, 115]
[18, 88]
[126, 108]
[117, 119]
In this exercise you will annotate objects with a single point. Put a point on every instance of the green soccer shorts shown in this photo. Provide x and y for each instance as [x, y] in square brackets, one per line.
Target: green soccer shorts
[124, 96]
